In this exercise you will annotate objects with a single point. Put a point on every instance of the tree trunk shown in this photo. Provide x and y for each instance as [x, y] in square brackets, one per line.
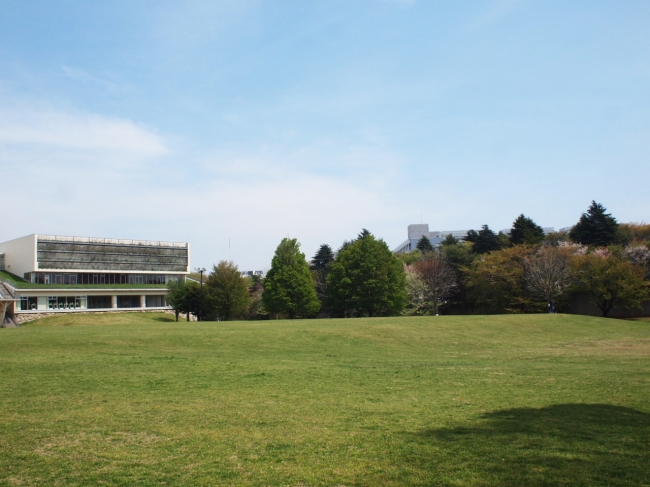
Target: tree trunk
[188, 316]
[176, 311]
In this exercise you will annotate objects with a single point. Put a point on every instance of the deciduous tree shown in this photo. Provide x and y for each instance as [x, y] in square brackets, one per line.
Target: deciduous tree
[610, 281]
[227, 291]
[288, 287]
[366, 280]
[439, 278]
[547, 274]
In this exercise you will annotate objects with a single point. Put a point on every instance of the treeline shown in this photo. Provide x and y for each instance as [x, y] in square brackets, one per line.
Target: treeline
[525, 271]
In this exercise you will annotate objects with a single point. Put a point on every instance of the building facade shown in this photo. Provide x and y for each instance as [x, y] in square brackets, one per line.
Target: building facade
[51, 273]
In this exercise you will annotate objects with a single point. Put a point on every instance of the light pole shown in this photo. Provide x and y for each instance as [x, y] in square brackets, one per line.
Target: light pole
[201, 270]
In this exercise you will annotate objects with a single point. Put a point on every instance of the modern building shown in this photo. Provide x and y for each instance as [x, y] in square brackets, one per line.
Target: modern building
[53, 274]
[417, 231]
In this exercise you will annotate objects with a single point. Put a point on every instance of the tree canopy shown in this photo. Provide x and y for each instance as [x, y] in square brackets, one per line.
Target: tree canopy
[366, 279]
[288, 287]
[227, 291]
[595, 227]
[424, 245]
[526, 231]
[485, 241]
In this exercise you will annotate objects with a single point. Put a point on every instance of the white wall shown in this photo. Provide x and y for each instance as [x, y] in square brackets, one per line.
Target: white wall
[20, 255]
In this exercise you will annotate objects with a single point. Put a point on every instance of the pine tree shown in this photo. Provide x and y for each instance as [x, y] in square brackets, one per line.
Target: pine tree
[424, 245]
[486, 241]
[526, 231]
[595, 227]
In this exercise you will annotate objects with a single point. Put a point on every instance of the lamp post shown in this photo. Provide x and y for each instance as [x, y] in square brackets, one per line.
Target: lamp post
[201, 270]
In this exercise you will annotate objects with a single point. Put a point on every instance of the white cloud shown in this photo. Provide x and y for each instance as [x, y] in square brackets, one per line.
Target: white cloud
[47, 130]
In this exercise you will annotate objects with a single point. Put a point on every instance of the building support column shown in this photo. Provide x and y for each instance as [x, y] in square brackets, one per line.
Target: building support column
[113, 302]
[143, 301]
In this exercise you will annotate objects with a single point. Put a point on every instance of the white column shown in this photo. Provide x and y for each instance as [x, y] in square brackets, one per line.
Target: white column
[113, 301]
[143, 302]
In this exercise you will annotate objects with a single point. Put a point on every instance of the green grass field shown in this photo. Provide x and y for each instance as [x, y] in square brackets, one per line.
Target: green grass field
[137, 399]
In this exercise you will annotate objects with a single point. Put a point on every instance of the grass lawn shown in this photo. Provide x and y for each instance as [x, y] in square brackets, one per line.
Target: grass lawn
[137, 399]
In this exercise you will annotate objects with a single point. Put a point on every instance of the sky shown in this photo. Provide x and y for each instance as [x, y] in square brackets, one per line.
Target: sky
[233, 124]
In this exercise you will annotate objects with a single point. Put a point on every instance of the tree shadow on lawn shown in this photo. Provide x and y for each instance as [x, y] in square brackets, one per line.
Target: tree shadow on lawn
[566, 444]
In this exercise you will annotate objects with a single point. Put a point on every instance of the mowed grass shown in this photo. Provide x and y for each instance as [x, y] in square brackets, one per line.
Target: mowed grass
[137, 399]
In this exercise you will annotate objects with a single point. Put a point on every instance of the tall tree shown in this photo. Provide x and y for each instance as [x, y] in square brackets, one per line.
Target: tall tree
[323, 258]
[227, 291]
[486, 241]
[288, 287]
[610, 281]
[596, 227]
[320, 267]
[439, 278]
[366, 279]
[424, 245]
[547, 274]
[526, 231]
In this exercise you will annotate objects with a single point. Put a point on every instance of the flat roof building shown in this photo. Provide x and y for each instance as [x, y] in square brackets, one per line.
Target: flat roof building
[417, 231]
[51, 273]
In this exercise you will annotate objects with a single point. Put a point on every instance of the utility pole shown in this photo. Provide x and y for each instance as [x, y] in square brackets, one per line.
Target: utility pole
[201, 270]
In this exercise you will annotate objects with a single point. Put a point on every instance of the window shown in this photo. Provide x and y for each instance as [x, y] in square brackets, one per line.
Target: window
[155, 301]
[99, 302]
[28, 303]
[128, 301]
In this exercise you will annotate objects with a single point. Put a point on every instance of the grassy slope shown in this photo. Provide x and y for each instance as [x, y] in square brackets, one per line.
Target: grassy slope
[507, 400]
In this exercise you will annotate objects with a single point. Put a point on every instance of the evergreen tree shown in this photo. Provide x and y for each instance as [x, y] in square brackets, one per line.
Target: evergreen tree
[322, 259]
[449, 240]
[227, 292]
[366, 279]
[472, 236]
[288, 287]
[526, 231]
[486, 241]
[595, 227]
[424, 245]
[320, 267]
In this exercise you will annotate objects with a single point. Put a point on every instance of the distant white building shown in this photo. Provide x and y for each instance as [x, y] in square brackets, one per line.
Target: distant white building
[417, 231]
[252, 273]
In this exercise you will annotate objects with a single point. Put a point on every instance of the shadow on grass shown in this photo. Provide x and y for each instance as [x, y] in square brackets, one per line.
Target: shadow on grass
[567, 444]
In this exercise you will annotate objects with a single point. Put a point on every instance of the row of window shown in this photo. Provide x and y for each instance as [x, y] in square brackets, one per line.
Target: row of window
[45, 303]
[100, 278]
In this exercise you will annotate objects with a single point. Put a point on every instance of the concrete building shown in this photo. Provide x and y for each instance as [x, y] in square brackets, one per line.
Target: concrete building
[54, 274]
[417, 231]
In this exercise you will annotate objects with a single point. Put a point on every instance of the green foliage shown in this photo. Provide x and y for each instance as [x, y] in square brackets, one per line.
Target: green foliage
[449, 240]
[610, 281]
[595, 227]
[424, 245]
[495, 283]
[409, 258]
[484, 241]
[288, 287]
[526, 231]
[185, 297]
[323, 258]
[227, 292]
[366, 279]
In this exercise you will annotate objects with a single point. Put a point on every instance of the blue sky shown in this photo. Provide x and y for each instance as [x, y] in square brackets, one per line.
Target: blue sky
[247, 121]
